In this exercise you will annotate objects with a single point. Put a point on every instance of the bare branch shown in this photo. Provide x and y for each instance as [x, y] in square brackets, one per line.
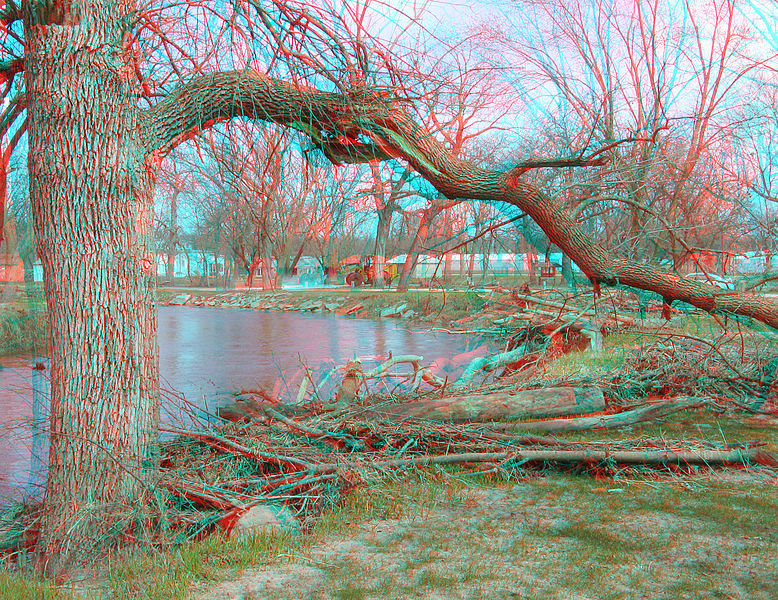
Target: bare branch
[11, 113]
[10, 13]
[522, 167]
[377, 123]
[594, 159]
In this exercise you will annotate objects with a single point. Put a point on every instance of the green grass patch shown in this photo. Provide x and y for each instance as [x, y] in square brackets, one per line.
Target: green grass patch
[14, 586]
[452, 534]
[162, 575]
[696, 424]
[23, 327]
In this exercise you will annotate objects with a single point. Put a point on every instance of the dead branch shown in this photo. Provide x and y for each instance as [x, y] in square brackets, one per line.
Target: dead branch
[525, 404]
[628, 417]
[340, 438]
[224, 444]
[743, 456]
[489, 363]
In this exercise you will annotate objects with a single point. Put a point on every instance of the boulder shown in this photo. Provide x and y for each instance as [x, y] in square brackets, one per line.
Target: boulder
[179, 300]
[266, 518]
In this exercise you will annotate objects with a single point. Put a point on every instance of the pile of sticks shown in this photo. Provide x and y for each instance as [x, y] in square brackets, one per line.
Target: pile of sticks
[306, 459]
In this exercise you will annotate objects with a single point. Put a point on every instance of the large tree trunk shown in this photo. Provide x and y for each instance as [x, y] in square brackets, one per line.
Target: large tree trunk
[524, 404]
[89, 189]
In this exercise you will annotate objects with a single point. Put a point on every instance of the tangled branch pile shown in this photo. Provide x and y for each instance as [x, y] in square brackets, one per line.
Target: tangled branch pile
[307, 460]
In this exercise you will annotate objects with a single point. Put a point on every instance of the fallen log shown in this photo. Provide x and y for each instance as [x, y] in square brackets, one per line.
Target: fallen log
[742, 456]
[524, 404]
[628, 417]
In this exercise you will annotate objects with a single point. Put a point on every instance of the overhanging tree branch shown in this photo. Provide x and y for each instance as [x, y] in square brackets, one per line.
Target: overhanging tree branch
[353, 130]
[10, 13]
[8, 70]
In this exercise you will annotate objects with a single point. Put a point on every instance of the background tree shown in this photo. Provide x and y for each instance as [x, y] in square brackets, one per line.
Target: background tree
[661, 81]
[459, 102]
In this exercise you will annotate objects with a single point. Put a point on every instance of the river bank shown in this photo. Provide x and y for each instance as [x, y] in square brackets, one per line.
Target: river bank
[22, 328]
[399, 527]
[23, 323]
[436, 307]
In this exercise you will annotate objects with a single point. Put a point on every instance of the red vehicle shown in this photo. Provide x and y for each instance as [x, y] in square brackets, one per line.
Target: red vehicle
[367, 273]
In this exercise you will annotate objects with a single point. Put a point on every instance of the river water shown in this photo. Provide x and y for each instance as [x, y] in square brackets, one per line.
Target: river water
[207, 353]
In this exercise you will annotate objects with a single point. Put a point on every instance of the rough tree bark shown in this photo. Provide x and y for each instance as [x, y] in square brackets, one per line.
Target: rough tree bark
[89, 188]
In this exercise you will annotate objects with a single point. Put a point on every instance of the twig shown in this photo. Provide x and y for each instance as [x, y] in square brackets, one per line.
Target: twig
[350, 442]
[220, 443]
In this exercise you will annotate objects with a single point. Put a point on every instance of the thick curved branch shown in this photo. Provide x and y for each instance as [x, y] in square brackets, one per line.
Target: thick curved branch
[376, 127]
[8, 70]
[10, 13]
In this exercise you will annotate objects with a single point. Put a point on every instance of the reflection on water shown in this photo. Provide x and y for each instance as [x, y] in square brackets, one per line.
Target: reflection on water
[24, 397]
[205, 353]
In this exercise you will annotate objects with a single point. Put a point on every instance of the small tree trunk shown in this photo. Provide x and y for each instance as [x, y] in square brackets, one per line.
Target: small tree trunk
[296, 259]
[422, 235]
[485, 248]
[269, 274]
[255, 261]
[379, 251]
[567, 271]
[172, 239]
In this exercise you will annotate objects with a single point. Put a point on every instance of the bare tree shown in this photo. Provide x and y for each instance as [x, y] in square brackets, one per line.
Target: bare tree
[458, 107]
[655, 83]
[98, 127]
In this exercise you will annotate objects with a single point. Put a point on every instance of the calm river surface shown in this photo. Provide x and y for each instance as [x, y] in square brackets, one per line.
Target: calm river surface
[206, 353]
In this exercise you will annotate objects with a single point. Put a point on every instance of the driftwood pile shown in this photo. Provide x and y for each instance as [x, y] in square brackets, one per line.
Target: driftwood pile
[731, 367]
[557, 315]
[306, 452]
